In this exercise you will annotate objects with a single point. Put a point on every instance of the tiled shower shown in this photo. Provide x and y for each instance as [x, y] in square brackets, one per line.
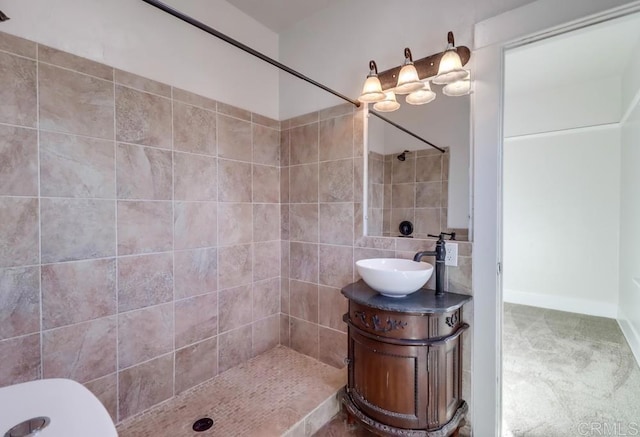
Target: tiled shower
[152, 238]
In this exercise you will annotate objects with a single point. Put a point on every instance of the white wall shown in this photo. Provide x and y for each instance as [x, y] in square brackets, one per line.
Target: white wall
[136, 37]
[629, 312]
[586, 103]
[561, 220]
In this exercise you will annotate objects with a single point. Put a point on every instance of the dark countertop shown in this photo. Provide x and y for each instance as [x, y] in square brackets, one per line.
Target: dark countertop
[423, 301]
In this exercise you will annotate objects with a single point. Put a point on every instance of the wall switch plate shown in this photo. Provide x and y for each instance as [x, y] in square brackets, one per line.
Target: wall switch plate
[451, 258]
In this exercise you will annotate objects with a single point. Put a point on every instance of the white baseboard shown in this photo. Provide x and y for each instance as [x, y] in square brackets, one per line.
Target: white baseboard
[561, 303]
[632, 336]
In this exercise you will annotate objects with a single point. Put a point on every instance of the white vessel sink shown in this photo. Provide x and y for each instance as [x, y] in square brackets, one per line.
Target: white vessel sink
[394, 277]
[68, 407]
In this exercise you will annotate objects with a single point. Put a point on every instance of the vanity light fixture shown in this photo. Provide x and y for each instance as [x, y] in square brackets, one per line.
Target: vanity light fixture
[412, 78]
[408, 80]
[372, 89]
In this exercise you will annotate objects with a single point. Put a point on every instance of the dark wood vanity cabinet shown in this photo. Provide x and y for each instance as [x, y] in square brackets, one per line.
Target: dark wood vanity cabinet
[405, 362]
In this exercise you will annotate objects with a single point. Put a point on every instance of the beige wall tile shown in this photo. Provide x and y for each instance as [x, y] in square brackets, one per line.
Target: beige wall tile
[304, 300]
[19, 301]
[17, 45]
[18, 161]
[266, 298]
[284, 148]
[144, 173]
[304, 337]
[265, 334]
[235, 223]
[336, 181]
[234, 111]
[194, 177]
[403, 195]
[106, 389]
[196, 272]
[429, 195]
[332, 305]
[284, 330]
[427, 221]
[78, 291]
[142, 118]
[196, 319]
[303, 222]
[285, 295]
[234, 266]
[19, 231]
[303, 183]
[194, 129]
[234, 138]
[266, 145]
[72, 166]
[75, 229]
[20, 359]
[265, 121]
[266, 260]
[196, 363]
[284, 185]
[265, 184]
[332, 346]
[18, 91]
[336, 138]
[336, 265]
[74, 103]
[145, 385]
[304, 262]
[402, 171]
[144, 281]
[145, 334]
[429, 168]
[336, 223]
[266, 222]
[80, 352]
[234, 347]
[235, 307]
[284, 221]
[234, 181]
[194, 99]
[304, 144]
[144, 227]
[195, 224]
[142, 83]
[53, 56]
[303, 119]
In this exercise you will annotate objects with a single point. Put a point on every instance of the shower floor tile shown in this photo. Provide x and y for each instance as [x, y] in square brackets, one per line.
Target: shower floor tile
[279, 392]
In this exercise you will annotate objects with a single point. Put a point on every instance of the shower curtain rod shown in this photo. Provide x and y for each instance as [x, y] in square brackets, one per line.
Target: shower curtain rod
[211, 31]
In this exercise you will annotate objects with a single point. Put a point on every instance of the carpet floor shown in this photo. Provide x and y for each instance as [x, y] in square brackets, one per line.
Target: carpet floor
[567, 374]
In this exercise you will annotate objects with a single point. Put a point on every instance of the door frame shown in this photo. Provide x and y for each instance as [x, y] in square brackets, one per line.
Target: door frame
[492, 37]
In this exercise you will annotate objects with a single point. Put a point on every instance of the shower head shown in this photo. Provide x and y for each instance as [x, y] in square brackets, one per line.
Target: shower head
[402, 157]
[3, 17]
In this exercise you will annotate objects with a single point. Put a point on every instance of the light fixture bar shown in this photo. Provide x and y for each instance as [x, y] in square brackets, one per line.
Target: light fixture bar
[257, 54]
[211, 31]
[427, 67]
[406, 131]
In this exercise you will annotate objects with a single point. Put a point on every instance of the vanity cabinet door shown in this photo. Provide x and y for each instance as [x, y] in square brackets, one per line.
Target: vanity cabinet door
[445, 377]
[387, 381]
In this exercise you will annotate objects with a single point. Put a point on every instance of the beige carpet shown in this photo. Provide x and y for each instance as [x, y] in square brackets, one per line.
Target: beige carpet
[567, 374]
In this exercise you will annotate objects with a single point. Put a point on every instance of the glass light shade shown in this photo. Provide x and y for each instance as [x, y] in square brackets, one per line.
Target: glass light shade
[408, 80]
[457, 88]
[372, 90]
[389, 103]
[450, 68]
[422, 96]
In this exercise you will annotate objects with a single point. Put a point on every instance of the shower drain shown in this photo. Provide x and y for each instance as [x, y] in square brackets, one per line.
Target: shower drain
[202, 424]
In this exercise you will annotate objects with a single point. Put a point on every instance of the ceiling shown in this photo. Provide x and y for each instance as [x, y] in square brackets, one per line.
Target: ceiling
[595, 52]
[279, 15]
